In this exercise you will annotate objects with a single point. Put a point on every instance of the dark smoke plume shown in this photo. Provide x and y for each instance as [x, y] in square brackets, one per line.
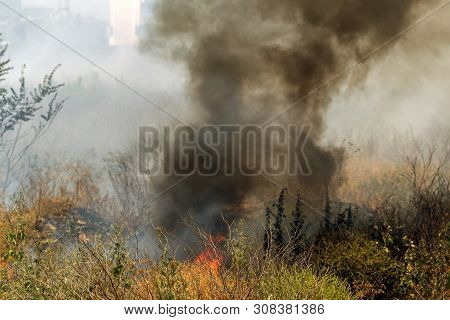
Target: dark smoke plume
[247, 61]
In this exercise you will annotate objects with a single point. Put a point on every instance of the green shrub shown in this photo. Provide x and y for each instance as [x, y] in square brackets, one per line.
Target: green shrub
[260, 277]
[368, 267]
[283, 282]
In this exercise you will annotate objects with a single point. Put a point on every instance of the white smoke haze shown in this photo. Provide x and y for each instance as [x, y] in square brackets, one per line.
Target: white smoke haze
[101, 113]
[405, 90]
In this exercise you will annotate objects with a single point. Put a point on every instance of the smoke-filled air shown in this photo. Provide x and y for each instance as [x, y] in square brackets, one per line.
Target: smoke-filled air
[264, 62]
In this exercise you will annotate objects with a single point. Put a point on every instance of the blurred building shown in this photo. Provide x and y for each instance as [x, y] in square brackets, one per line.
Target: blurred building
[16, 4]
[5, 12]
[8, 19]
[118, 24]
[125, 19]
[86, 33]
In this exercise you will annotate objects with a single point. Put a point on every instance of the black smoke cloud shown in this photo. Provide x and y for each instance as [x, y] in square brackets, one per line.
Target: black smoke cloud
[247, 61]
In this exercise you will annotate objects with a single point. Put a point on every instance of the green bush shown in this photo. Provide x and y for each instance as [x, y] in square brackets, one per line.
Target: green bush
[283, 282]
[261, 277]
[368, 267]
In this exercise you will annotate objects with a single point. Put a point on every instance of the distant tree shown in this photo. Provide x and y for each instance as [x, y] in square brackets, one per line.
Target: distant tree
[349, 217]
[328, 214]
[341, 220]
[278, 237]
[298, 234]
[24, 117]
[268, 232]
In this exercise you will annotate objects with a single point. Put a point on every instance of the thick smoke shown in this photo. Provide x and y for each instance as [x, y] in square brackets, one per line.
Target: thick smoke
[249, 60]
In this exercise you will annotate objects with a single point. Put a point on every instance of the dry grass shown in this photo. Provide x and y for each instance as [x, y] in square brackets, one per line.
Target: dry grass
[403, 255]
[106, 270]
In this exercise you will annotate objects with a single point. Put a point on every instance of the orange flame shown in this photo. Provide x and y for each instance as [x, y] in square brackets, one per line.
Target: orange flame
[211, 257]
